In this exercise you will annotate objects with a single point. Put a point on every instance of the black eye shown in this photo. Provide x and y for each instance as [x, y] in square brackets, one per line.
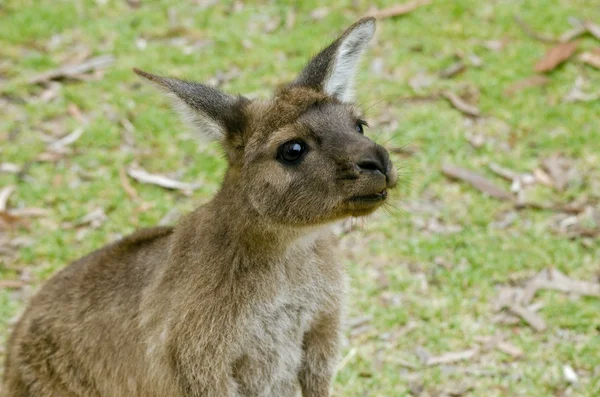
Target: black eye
[359, 126]
[291, 152]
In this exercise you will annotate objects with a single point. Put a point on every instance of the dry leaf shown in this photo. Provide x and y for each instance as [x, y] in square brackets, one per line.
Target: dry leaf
[7, 220]
[555, 280]
[11, 284]
[272, 24]
[94, 219]
[495, 45]
[403, 363]
[591, 58]
[578, 94]
[452, 357]
[559, 169]
[542, 177]
[67, 140]
[461, 105]
[400, 9]
[531, 318]
[405, 151]
[573, 33]
[531, 33]
[131, 192]
[453, 70]
[10, 168]
[134, 3]
[29, 212]
[319, 13]
[592, 28]
[477, 181]
[570, 374]
[170, 217]
[555, 56]
[144, 176]
[77, 114]
[346, 359]
[74, 71]
[420, 81]
[505, 173]
[533, 81]
[509, 348]
[290, 18]
[458, 390]
[5, 193]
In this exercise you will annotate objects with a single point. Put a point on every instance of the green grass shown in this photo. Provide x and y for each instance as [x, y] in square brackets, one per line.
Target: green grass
[450, 306]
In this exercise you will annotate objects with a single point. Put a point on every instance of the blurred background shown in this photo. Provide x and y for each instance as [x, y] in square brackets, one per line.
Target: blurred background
[482, 276]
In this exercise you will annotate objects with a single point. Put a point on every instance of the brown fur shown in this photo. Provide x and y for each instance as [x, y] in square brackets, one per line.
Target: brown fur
[243, 296]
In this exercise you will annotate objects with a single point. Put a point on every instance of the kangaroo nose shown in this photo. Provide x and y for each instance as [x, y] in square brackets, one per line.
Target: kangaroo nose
[371, 164]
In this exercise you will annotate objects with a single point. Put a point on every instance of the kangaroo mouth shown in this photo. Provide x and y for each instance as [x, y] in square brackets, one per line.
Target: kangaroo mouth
[370, 198]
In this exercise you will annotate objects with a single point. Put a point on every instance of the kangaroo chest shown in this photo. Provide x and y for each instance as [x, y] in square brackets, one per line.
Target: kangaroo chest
[271, 355]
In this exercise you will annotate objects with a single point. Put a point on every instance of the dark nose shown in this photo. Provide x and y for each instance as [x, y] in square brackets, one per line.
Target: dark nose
[372, 163]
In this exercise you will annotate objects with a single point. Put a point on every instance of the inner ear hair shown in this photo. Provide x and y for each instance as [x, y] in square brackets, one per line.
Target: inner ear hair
[332, 70]
[211, 112]
[340, 79]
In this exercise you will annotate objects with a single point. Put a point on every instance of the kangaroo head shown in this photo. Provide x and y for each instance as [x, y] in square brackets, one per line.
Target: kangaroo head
[300, 158]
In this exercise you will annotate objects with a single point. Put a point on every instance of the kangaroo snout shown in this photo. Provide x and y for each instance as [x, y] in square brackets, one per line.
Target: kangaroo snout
[377, 163]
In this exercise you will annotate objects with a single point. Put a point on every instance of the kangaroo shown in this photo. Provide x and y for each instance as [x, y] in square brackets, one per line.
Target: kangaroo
[243, 297]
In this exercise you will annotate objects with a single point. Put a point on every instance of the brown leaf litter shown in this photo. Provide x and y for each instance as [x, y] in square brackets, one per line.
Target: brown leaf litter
[555, 56]
[517, 300]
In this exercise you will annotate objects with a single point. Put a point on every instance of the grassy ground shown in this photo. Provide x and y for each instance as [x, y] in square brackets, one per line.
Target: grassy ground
[424, 275]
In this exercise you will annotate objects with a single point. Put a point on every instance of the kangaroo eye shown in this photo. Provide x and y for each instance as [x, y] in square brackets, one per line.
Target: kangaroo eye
[360, 124]
[291, 152]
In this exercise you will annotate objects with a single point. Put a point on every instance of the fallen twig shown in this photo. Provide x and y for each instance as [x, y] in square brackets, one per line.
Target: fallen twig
[451, 357]
[67, 140]
[11, 284]
[5, 193]
[131, 192]
[144, 176]
[533, 319]
[398, 10]
[73, 71]
[555, 280]
[477, 181]
[533, 34]
[461, 105]
[592, 29]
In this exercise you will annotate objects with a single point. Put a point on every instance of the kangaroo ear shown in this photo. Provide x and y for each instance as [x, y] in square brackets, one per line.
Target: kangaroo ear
[213, 113]
[332, 70]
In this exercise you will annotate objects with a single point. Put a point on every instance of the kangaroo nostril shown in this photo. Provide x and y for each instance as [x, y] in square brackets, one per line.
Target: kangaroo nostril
[371, 165]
